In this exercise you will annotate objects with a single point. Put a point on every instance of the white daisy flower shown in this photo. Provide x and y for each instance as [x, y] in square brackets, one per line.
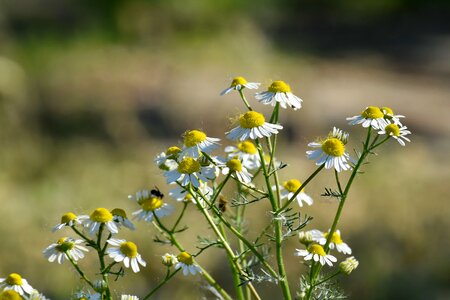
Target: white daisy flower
[10, 295]
[126, 252]
[169, 260]
[317, 253]
[335, 242]
[238, 84]
[187, 264]
[63, 248]
[371, 116]
[97, 218]
[288, 190]
[331, 151]
[390, 116]
[68, 219]
[128, 297]
[121, 219]
[152, 206]
[196, 141]
[279, 91]
[16, 283]
[253, 125]
[348, 265]
[189, 170]
[246, 152]
[167, 160]
[238, 170]
[398, 133]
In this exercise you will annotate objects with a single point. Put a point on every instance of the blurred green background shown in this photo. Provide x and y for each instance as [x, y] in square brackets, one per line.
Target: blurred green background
[91, 91]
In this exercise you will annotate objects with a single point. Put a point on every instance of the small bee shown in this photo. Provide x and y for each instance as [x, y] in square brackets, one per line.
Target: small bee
[223, 204]
[157, 193]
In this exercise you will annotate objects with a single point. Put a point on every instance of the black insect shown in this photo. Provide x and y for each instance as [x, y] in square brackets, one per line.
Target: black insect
[157, 193]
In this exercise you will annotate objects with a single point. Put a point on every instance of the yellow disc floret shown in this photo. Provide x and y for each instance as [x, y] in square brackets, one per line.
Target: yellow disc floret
[193, 138]
[292, 185]
[392, 129]
[129, 249]
[14, 279]
[66, 218]
[372, 112]
[64, 244]
[188, 166]
[333, 147]
[387, 110]
[234, 165]
[10, 295]
[101, 215]
[317, 249]
[251, 119]
[150, 204]
[247, 147]
[238, 81]
[336, 238]
[119, 212]
[279, 86]
[185, 258]
[173, 150]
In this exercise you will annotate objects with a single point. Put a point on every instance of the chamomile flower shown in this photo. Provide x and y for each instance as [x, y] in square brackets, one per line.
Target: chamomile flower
[331, 151]
[189, 170]
[196, 142]
[68, 219]
[246, 152]
[187, 264]
[335, 242]
[126, 252]
[100, 216]
[390, 116]
[152, 206]
[238, 84]
[398, 133]
[288, 190]
[371, 116]
[317, 253]
[167, 160]
[128, 297]
[16, 283]
[169, 260]
[121, 219]
[279, 91]
[10, 295]
[253, 125]
[348, 265]
[63, 248]
[235, 167]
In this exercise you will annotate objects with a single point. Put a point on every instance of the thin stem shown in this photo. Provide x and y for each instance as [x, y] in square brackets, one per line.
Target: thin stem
[101, 257]
[169, 275]
[327, 278]
[75, 265]
[185, 204]
[245, 100]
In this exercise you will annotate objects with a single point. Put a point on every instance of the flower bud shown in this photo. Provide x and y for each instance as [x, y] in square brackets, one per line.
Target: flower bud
[348, 265]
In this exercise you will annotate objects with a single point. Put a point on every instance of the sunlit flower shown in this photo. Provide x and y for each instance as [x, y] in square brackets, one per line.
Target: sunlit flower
[335, 242]
[187, 264]
[121, 219]
[371, 116]
[169, 260]
[317, 253]
[16, 283]
[235, 167]
[390, 116]
[68, 219]
[100, 216]
[239, 83]
[10, 295]
[253, 125]
[189, 170]
[151, 206]
[128, 297]
[126, 252]
[167, 160]
[288, 190]
[348, 265]
[196, 142]
[246, 152]
[398, 133]
[65, 247]
[279, 91]
[331, 151]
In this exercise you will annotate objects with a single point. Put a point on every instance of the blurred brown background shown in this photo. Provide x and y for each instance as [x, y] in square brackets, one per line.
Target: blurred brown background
[91, 91]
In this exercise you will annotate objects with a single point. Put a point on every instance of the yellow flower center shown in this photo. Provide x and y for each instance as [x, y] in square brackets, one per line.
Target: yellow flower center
[234, 165]
[10, 295]
[185, 258]
[251, 119]
[14, 279]
[238, 81]
[279, 86]
[316, 249]
[333, 147]
[372, 112]
[101, 215]
[392, 129]
[188, 166]
[387, 110]
[247, 147]
[151, 204]
[129, 249]
[66, 218]
[292, 185]
[64, 245]
[194, 137]
[173, 150]
[119, 212]
[336, 238]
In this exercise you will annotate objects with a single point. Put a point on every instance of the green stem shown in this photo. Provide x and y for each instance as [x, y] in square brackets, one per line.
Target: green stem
[166, 279]
[245, 100]
[101, 256]
[83, 276]
[185, 204]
